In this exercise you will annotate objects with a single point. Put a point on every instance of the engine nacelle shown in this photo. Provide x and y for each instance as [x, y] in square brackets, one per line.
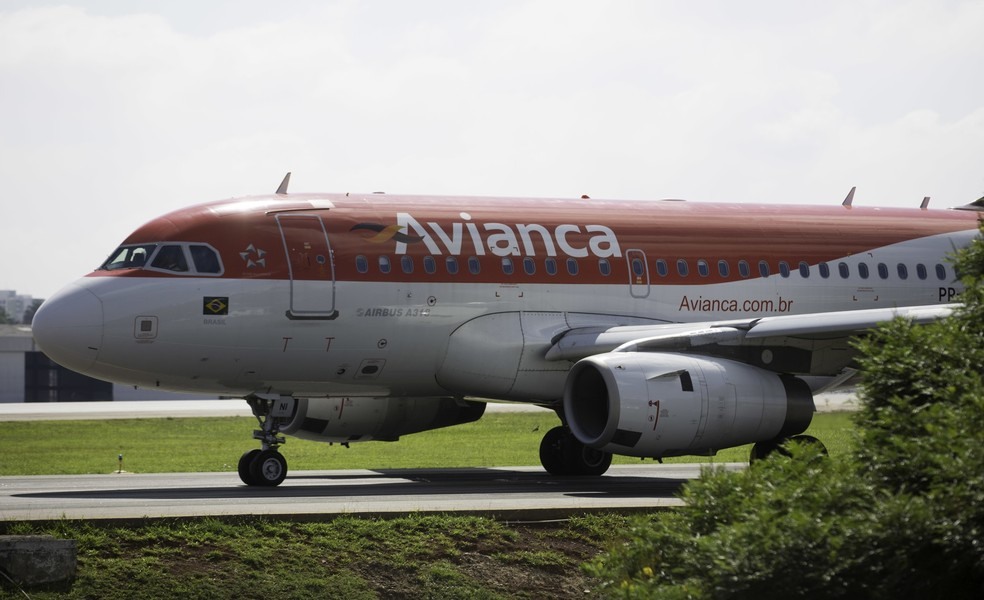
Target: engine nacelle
[382, 419]
[657, 405]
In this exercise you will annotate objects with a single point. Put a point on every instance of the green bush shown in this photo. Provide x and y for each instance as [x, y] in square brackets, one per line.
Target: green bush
[901, 518]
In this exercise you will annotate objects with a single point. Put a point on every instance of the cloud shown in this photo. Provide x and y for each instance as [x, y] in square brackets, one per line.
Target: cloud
[110, 118]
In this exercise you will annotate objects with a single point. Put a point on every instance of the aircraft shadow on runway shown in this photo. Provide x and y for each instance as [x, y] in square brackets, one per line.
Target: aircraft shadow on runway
[403, 482]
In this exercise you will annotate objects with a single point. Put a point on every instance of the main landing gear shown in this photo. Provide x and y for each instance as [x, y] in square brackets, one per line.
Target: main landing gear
[562, 454]
[762, 450]
[266, 466]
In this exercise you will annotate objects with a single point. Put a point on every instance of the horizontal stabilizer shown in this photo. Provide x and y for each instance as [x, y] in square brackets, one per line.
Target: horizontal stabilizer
[975, 205]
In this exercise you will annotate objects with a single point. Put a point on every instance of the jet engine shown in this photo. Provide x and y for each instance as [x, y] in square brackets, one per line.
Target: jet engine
[663, 404]
[381, 419]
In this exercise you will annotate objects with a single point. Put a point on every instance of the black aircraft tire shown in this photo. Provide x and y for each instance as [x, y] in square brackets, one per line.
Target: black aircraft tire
[762, 450]
[585, 460]
[244, 463]
[812, 441]
[268, 468]
[552, 451]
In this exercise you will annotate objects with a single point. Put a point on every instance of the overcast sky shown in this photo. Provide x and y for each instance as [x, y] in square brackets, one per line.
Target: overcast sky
[112, 113]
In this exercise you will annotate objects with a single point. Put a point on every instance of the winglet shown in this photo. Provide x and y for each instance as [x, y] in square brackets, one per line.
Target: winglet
[850, 197]
[283, 184]
[925, 203]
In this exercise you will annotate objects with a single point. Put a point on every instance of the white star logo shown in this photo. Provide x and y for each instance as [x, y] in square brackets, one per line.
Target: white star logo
[254, 257]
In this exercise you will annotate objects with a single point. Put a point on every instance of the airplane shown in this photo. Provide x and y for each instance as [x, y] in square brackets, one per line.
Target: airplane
[652, 328]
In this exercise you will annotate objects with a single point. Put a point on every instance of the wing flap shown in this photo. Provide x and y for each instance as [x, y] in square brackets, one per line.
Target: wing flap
[843, 323]
[578, 343]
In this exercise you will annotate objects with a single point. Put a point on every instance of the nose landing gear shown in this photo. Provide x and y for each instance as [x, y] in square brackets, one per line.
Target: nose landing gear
[266, 466]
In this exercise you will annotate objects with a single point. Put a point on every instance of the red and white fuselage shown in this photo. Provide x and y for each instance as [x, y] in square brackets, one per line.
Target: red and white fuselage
[344, 296]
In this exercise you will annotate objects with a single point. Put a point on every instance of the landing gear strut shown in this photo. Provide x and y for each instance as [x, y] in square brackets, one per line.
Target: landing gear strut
[266, 466]
[562, 454]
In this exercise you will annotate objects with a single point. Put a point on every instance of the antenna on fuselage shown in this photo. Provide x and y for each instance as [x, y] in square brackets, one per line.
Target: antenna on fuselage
[283, 184]
[925, 203]
[850, 197]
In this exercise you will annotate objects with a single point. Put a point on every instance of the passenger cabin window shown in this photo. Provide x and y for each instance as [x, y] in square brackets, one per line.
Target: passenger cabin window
[863, 270]
[637, 267]
[743, 269]
[451, 264]
[784, 268]
[940, 272]
[170, 258]
[529, 266]
[883, 270]
[723, 269]
[128, 257]
[551, 266]
[763, 268]
[921, 271]
[406, 263]
[474, 267]
[507, 266]
[844, 270]
[384, 264]
[824, 270]
[903, 271]
[682, 269]
[361, 264]
[604, 267]
[430, 265]
[702, 268]
[804, 269]
[661, 268]
[572, 266]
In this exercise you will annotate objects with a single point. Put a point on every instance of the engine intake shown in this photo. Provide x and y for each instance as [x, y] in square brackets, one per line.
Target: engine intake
[657, 405]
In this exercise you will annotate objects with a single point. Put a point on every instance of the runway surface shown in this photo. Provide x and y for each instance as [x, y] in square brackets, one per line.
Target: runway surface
[511, 493]
[516, 493]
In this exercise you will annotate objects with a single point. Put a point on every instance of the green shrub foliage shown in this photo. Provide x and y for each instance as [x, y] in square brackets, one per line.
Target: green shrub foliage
[901, 518]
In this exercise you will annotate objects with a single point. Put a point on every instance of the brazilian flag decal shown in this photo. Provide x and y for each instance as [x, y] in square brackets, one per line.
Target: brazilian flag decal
[215, 305]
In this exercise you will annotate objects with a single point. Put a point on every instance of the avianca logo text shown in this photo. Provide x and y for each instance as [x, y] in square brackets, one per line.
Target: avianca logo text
[498, 239]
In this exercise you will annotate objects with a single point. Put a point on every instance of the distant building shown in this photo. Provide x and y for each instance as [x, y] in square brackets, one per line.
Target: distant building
[27, 375]
[15, 305]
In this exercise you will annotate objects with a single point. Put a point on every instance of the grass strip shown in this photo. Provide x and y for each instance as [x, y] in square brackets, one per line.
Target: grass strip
[433, 556]
[175, 445]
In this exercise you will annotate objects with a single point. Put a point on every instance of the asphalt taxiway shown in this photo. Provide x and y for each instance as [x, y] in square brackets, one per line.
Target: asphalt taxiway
[511, 493]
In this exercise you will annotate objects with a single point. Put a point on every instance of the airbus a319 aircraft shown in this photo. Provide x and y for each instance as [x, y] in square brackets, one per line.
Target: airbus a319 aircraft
[652, 328]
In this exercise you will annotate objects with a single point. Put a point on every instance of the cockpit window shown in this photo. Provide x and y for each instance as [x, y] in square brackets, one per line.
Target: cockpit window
[170, 258]
[206, 259]
[128, 257]
[173, 257]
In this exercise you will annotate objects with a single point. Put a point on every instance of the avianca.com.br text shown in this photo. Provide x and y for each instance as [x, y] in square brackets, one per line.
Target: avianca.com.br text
[702, 304]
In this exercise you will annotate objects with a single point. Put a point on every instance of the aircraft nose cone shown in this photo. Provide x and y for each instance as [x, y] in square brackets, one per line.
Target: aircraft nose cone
[69, 327]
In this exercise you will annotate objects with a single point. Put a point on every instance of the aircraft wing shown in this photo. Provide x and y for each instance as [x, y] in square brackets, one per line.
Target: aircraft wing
[820, 333]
